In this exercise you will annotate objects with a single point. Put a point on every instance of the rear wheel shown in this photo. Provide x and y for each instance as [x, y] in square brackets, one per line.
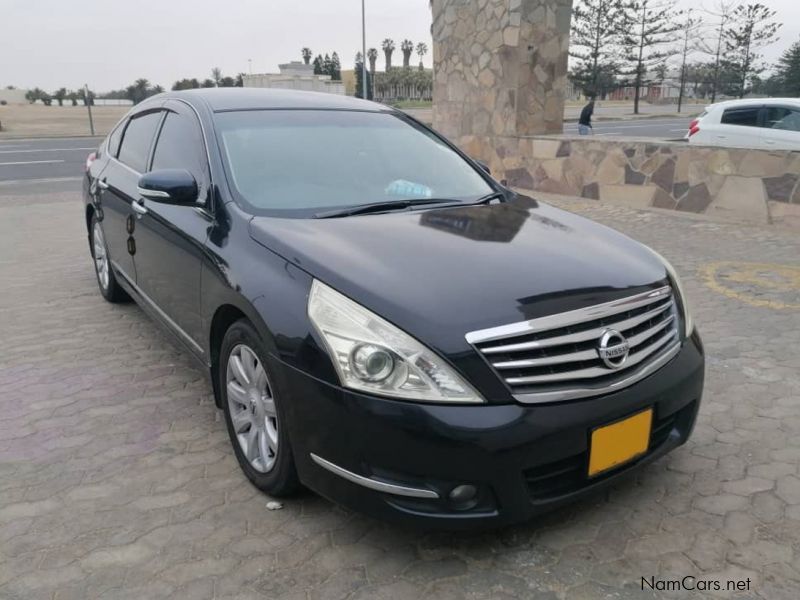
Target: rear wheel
[253, 414]
[106, 280]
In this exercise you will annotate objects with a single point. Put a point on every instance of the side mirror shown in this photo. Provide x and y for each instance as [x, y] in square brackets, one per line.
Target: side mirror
[171, 186]
[483, 166]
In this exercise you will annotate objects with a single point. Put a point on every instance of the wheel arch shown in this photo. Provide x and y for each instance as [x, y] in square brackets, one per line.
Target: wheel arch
[224, 316]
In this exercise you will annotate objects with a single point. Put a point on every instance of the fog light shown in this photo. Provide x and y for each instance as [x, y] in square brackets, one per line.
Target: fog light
[371, 363]
[462, 493]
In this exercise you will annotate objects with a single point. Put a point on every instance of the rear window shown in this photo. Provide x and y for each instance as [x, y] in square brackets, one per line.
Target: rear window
[299, 162]
[745, 117]
[137, 139]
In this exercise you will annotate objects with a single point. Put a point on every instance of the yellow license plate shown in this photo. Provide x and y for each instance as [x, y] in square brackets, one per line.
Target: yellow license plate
[620, 442]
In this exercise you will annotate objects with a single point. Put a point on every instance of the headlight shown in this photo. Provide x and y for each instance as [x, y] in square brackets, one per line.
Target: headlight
[372, 355]
[688, 322]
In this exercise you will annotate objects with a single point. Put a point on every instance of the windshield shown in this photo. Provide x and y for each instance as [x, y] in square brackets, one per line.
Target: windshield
[298, 162]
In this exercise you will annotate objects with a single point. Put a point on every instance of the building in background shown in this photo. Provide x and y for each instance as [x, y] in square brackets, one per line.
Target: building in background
[295, 76]
[13, 96]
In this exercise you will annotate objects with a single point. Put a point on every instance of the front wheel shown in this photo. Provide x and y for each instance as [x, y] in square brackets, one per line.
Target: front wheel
[106, 279]
[255, 421]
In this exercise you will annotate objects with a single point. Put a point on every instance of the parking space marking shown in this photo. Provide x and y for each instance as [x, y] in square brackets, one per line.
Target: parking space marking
[7, 182]
[766, 285]
[31, 162]
[43, 150]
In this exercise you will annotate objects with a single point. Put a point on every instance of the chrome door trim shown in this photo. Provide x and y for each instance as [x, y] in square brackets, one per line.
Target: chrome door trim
[373, 484]
[183, 335]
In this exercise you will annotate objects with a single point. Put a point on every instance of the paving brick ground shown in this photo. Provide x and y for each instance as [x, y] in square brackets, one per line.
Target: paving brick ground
[117, 481]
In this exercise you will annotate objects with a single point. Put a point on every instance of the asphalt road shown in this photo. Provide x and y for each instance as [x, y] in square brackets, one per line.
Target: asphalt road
[664, 129]
[48, 164]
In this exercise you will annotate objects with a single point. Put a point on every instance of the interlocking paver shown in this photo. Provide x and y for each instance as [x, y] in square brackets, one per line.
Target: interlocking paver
[117, 481]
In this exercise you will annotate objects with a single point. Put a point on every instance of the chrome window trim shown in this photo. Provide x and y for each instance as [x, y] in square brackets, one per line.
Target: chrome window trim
[374, 484]
[167, 319]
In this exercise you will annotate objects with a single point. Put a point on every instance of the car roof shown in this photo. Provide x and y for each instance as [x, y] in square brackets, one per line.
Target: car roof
[231, 99]
[755, 102]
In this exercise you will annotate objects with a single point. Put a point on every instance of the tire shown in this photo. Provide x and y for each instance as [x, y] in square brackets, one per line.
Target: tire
[253, 413]
[106, 280]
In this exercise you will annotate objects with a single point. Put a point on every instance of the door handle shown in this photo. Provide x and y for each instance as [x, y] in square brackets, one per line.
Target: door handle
[101, 183]
[139, 208]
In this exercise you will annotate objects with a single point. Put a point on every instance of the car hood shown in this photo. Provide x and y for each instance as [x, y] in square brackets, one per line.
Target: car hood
[441, 273]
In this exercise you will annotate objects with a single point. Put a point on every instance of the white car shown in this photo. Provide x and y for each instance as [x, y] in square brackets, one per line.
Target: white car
[768, 123]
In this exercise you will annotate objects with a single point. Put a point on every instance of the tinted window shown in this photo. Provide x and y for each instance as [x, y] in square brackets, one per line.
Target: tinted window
[114, 138]
[180, 145]
[295, 163]
[746, 117]
[137, 139]
[779, 117]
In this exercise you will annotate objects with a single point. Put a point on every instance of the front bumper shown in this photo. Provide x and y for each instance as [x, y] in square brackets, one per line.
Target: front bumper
[524, 460]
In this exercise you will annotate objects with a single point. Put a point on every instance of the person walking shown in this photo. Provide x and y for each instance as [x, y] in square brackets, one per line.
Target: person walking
[585, 120]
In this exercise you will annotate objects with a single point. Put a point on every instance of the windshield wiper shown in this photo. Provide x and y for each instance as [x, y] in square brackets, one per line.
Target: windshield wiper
[383, 207]
[387, 206]
[487, 199]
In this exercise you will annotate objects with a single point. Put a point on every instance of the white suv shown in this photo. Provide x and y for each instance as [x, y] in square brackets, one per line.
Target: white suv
[770, 123]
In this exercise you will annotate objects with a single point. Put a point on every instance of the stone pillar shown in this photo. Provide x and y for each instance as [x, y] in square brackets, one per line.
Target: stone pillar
[500, 70]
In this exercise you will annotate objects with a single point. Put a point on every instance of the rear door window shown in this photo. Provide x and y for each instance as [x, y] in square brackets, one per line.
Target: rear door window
[782, 118]
[137, 139]
[743, 117]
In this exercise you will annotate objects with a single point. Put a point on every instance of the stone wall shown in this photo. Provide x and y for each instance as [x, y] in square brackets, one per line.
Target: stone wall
[749, 185]
[500, 69]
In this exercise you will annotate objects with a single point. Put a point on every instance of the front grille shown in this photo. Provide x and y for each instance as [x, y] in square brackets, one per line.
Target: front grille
[557, 357]
[549, 481]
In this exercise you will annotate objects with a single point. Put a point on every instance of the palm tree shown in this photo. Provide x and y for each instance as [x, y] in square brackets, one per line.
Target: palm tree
[372, 56]
[34, 95]
[306, 52]
[216, 75]
[388, 47]
[60, 94]
[422, 50]
[407, 47]
[138, 91]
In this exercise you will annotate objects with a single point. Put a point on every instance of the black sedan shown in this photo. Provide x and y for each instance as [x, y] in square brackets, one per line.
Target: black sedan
[383, 322]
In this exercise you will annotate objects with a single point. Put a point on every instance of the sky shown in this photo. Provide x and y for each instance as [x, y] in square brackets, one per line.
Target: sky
[110, 43]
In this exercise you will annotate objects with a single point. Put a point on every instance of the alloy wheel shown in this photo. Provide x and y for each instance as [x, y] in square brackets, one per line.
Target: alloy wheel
[252, 408]
[100, 255]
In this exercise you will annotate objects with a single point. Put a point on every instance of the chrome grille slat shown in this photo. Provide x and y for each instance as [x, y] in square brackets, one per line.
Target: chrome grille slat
[633, 360]
[637, 339]
[581, 336]
[634, 341]
[557, 357]
[569, 318]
